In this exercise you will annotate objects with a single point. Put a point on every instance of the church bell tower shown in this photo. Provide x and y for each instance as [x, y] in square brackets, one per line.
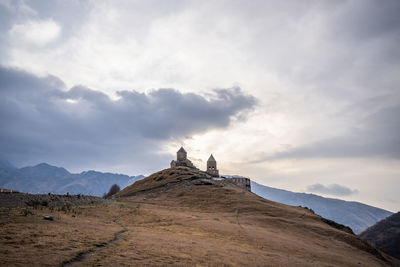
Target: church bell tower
[212, 167]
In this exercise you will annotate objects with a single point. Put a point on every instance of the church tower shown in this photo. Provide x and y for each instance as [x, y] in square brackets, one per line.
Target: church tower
[212, 167]
[181, 154]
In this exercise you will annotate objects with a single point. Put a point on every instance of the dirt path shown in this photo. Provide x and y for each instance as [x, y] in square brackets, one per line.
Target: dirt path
[85, 256]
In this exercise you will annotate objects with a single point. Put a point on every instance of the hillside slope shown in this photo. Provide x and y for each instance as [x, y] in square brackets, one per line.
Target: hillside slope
[201, 221]
[385, 234]
[356, 215]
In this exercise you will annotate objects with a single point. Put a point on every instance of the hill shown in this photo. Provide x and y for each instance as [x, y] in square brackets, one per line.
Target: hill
[44, 178]
[209, 221]
[357, 216]
[181, 217]
[385, 234]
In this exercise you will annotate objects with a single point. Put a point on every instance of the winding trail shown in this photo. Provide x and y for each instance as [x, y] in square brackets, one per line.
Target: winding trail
[84, 256]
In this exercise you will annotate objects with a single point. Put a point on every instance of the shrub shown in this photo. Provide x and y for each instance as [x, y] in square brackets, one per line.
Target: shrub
[113, 190]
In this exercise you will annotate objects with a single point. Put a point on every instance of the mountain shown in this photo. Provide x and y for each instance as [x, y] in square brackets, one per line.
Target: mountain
[356, 215]
[385, 234]
[7, 171]
[6, 164]
[45, 178]
[182, 216]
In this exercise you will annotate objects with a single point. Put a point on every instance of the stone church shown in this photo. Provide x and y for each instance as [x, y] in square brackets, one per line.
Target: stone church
[182, 160]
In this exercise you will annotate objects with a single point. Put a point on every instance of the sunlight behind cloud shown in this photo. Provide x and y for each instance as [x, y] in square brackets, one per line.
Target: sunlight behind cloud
[35, 32]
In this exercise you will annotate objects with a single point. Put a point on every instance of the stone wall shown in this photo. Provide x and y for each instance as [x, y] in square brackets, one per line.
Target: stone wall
[242, 182]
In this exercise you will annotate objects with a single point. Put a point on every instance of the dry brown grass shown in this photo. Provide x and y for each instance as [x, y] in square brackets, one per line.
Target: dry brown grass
[165, 177]
[184, 223]
[27, 239]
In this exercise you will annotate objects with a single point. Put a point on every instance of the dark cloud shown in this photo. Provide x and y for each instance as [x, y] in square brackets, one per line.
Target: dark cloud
[42, 121]
[366, 19]
[332, 189]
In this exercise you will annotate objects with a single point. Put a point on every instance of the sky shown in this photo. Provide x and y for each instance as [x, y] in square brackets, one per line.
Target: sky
[298, 95]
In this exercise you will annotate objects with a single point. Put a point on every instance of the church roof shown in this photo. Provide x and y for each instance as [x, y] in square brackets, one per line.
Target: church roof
[211, 158]
[181, 149]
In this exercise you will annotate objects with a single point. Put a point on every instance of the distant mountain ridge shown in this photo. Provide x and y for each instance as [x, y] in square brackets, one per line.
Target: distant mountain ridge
[356, 215]
[44, 178]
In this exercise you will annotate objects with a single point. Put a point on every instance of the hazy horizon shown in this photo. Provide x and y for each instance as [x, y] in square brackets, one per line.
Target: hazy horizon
[297, 95]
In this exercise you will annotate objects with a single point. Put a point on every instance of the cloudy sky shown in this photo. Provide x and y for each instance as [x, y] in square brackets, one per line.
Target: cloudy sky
[299, 95]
